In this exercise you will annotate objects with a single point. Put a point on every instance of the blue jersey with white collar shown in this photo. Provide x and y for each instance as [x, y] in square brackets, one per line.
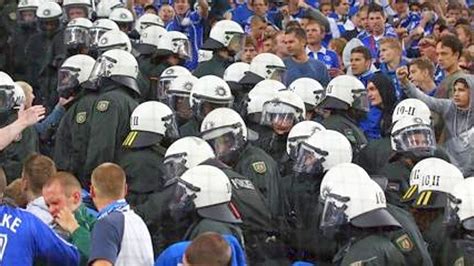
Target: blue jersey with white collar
[393, 77]
[25, 239]
[373, 44]
[326, 56]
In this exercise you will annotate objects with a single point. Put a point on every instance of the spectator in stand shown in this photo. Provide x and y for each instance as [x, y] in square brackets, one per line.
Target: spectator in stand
[421, 75]
[166, 13]
[315, 33]
[279, 45]
[249, 50]
[299, 64]
[465, 34]
[449, 50]
[391, 59]
[427, 48]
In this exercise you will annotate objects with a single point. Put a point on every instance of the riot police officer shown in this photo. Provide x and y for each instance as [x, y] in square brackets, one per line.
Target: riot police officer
[225, 40]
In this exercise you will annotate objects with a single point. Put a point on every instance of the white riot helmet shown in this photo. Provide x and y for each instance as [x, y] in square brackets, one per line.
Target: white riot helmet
[264, 66]
[76, 34]
[350, 196]
[210, 190]
[226, 132]
[150, 123]
[149, 39]
[209, 92]
[147, 20]
[185, 153]
[123, 17]
[309, 90]
[264, 91]
[73, 72]
[99, 27]
[117, 65]
[8, 97]
[437, 184]
[49, 11]
[175, 43]
[105, 7]
[299, 133]
[464, 203]
[70, 6]
[26, 12]
[412, 107]
[225, 34]
[178, 96]
[343, 92]
[234, 73]
[167, 76]
[413, 135]
[322, 151]
[283, 111]
[415, 177]
[114, 39]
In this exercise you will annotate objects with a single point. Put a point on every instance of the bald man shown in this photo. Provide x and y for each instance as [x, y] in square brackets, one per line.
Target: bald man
[119, 237]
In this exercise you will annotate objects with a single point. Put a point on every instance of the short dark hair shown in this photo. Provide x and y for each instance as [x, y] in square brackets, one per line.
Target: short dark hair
[298, 31]
[424, 64]
[362, 50]
[453, 43]
[375, 8]
[208, 249]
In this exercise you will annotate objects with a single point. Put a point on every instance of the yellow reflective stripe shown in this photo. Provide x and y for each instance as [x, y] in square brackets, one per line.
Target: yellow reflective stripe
[427, 197]
[409, 192]
[420, 199]
[130, 138]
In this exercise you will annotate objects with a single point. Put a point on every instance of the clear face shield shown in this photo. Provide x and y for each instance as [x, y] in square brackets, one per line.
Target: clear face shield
[236, 42]
[309, 160]
[361, 101]
[67, 81]
[450, 217]
[76, 37]
[182, 203]
[280, 116]
[294, 145]
[183, 49]
[334, 214]
[179, 103]
[95, 34]
[7, 100]
[203, 107]
[162, 88]
[225, 142]
[171, 132]
[417, 139]
[174, 166]
[100, 69]
[278, 73]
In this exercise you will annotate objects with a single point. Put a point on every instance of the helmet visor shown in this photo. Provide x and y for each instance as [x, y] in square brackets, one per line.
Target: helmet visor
[174, 166]
[278, 73]
[183, 49]
[95, 34]
[171, 127]
[416, 138]
[101, 68]
[67, 81]
[361, 101]
[179, 103]
[162, 88]
[76, 36]
[236, 42]
[309, 160]
[182, 203]
[7, 100]
[278, 114]
[334, 212]
[450, 217]
[223, 144]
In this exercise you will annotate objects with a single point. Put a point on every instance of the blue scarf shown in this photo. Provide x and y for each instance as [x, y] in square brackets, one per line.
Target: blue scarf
[120, 205]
